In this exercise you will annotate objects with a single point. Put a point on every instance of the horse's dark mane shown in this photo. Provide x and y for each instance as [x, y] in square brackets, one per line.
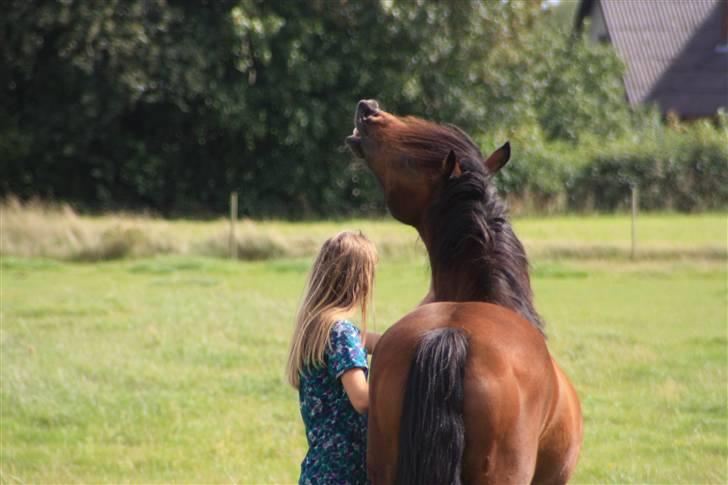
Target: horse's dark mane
[429, 143]
[470, 230]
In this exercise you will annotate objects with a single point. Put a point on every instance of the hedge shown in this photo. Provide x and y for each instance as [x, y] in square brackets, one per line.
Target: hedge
[683, 168]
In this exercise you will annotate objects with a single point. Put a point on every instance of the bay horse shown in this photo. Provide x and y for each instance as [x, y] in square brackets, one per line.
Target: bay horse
[463, 389]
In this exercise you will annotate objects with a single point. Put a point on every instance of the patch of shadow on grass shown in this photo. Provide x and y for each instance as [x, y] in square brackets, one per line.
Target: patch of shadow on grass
[201, 282]
[714, 342]
[613, 337]
[55, 311]
[53, 420]
[709, 411]
[23, 264]
[164, 266]
[591, 251]
[193, 282]
[645, 373]
[68, 314]
[298, 266]
[704, 350]
[557, 271]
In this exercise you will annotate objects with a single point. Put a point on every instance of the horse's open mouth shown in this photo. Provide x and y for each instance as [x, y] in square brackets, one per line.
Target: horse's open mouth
[354, 143]
[365, 109]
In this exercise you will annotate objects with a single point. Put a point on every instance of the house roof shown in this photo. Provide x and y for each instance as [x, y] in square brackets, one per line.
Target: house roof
[669, 48]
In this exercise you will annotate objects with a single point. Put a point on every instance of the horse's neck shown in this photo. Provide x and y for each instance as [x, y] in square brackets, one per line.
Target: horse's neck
[474, 276]
[461, 282]
[472, 279]
[464, 280]
[500, 278]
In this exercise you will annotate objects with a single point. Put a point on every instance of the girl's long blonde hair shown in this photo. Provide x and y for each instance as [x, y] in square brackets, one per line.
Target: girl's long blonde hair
[341, 279]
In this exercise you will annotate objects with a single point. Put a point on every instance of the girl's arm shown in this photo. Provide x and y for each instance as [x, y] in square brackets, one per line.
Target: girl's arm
[357, 388]
[371, 341]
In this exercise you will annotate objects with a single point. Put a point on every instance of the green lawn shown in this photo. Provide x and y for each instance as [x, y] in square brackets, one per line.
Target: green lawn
[171, 369]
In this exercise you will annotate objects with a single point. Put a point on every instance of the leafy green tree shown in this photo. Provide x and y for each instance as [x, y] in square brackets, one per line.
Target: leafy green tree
[582, 91]
[170, 105]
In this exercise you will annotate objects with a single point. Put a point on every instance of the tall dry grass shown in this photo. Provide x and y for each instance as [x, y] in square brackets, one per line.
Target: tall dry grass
[42, 229]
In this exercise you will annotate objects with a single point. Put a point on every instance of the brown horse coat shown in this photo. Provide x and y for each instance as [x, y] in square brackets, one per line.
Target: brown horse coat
[509, 415]
[521, 415]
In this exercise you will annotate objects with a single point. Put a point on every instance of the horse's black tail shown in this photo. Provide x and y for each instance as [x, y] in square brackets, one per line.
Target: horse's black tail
[432, 429]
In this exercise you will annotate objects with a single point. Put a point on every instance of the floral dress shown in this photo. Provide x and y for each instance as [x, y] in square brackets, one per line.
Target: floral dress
[336, 433]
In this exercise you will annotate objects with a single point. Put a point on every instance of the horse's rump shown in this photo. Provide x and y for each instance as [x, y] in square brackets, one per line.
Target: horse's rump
[507, 383]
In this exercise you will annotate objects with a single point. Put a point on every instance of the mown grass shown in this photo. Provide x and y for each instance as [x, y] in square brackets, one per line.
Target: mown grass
[169, 369]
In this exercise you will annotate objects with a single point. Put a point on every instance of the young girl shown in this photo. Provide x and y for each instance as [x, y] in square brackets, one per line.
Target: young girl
[327, 362]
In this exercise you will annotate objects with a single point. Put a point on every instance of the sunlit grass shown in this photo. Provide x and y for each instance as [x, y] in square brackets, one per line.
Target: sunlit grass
[41, 230]
[171, 369]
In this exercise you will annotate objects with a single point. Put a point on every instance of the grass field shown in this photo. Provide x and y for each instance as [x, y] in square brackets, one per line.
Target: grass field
[41, 230]
[170, 368]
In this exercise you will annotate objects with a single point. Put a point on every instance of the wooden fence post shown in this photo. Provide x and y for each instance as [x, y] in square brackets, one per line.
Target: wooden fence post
[635, 203]
[233, 217]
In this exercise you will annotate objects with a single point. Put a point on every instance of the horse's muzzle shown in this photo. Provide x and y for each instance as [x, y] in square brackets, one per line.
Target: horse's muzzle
[364, 109]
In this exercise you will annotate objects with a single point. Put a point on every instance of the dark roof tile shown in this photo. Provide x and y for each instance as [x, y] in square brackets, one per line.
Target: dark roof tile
[669, 49]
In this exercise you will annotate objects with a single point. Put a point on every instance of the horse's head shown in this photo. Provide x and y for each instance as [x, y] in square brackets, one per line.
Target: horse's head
[413, 158]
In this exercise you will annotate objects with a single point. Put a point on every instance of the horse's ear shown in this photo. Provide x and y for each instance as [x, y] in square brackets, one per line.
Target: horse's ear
[451, 166]
[498, 158]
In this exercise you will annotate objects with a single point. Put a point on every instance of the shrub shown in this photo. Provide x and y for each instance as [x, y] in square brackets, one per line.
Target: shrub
[682, 167]
[681, 170]
[121, 241]
[537, 179]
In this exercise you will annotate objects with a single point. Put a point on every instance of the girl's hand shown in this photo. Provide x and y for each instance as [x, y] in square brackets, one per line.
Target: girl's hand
[371, 341]
[357, 388]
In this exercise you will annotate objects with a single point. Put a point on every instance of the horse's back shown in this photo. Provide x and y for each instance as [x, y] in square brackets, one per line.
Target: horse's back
[509, 390]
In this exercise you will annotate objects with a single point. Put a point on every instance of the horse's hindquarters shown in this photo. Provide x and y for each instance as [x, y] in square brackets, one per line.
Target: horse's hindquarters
[508, 387]
[387, 380]
[562, 438]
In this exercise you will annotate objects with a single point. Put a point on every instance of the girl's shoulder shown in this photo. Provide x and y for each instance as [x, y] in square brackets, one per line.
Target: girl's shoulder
[345, 328]
[344, 334]
[345, 349]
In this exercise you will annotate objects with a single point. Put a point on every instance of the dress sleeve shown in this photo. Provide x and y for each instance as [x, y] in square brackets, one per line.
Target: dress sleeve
[345, 350]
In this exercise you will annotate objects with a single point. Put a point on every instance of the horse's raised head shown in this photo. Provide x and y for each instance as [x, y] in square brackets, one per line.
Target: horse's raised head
[412, 158]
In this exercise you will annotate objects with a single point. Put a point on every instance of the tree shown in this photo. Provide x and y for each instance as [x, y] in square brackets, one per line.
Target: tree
[170, 105]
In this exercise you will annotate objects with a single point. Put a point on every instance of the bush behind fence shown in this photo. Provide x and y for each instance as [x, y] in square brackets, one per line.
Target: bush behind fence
[683, 169]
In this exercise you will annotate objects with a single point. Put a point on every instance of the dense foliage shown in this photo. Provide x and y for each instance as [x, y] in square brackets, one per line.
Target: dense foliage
[679, 168]
[170, 105]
